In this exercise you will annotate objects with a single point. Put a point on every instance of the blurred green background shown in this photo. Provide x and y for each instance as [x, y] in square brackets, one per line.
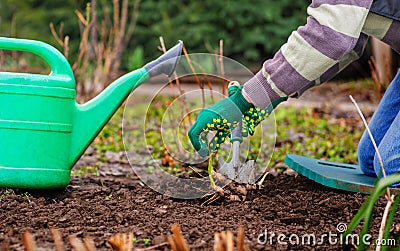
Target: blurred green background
[251, 30]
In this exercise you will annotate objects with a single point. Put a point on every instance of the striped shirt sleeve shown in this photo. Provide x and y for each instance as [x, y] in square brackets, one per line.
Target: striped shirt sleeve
[330, 40]
[383, 28]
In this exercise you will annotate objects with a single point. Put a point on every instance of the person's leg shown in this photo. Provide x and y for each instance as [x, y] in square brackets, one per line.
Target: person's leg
[389, 149]
[382, 119]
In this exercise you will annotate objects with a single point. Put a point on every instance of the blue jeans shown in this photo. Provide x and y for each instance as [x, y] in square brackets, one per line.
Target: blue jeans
[385, 128]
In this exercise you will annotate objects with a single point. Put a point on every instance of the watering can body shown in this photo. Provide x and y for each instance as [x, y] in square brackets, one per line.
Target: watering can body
[43, 131]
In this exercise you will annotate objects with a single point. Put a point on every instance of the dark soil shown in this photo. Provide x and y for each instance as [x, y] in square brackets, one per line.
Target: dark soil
[117, 202]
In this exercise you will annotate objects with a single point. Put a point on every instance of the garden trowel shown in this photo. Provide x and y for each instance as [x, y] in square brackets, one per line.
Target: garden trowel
[241, 172]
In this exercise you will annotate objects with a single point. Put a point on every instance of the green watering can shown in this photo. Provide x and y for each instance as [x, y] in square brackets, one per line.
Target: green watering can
[43, 131]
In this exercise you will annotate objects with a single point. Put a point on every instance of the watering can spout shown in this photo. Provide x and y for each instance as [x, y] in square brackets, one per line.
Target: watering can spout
[91, 117]
[166, 63]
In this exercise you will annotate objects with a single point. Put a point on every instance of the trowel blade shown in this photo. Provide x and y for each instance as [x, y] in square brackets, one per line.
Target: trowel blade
[247, 173]
[244, 173]
[226, 169]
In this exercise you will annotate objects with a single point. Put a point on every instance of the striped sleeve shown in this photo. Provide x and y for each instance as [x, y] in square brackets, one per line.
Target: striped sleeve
[383, 28]
[314, 51]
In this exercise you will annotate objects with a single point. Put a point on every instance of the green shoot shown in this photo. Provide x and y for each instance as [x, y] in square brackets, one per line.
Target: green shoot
[261, 181]
[211, 170]
[146, 241]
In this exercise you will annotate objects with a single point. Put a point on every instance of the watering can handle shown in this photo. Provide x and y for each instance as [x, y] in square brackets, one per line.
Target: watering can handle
[57, 62]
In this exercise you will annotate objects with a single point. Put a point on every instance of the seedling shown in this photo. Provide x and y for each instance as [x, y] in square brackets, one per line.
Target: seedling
[211, 171]
[27, 194]
[5, 193]
[146, 241]
[261, 181]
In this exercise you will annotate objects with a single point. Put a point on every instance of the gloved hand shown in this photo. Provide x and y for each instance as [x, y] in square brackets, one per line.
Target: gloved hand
[251, 119]
[221, 117]
[223, 134]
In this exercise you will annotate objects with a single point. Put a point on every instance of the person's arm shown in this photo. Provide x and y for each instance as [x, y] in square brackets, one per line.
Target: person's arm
[313, 53]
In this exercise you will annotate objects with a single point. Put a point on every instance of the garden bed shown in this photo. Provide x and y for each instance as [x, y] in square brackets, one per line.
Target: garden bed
[105, 198]
[117, 202]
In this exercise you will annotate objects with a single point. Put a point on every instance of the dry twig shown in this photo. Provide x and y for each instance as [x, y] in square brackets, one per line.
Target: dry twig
[178, 239]
[221, 62]
[171, 85]
[383, 222]
[389, 197]
[155, 247]
[201, 85]
[103, 50]
[370, 135]
[76, 243]
[225, 241]
[29, 241]
[5, 245]
[375, 75]
[57, 239]
[229, 241]
[121, 242]
[89, 244]
[377, 78]
[171, 243]
[240, 239]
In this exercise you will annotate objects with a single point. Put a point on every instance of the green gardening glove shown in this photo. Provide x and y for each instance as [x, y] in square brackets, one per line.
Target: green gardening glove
[255, 116]
[223, 134]
[251, 119]
[221, 117]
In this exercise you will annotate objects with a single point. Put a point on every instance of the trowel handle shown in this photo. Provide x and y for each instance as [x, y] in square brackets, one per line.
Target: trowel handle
[236, 134]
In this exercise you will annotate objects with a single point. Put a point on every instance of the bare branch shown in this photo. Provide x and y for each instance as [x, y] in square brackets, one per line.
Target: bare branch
[132, 24]
[55, 35]
[383, 222]
[373, 141]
